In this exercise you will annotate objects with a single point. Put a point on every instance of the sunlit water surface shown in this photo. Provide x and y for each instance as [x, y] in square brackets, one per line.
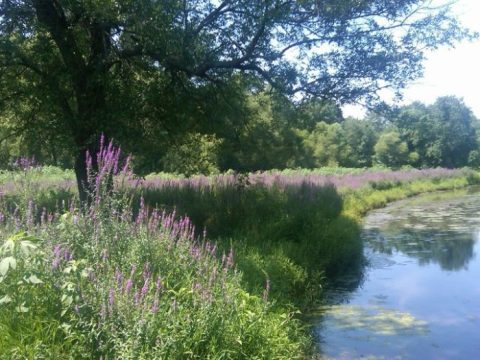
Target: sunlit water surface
[420, 293]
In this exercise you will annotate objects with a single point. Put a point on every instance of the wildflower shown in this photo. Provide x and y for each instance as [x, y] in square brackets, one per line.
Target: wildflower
[144, 288]
[155, 306]
[111, 297]
[137, 297]
[128, 286]
[118, 277]
[57, 253]
[158, 284]
[229, 263]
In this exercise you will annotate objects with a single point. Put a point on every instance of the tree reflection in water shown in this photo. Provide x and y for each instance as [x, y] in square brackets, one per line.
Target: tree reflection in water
[452, 250]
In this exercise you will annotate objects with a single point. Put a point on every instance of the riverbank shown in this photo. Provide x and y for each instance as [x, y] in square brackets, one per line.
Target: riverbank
[280, 240]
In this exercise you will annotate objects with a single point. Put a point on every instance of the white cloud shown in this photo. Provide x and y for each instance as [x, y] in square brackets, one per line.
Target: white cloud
[448, 71]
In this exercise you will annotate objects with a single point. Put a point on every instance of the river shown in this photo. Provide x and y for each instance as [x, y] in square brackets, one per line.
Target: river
[419, 295]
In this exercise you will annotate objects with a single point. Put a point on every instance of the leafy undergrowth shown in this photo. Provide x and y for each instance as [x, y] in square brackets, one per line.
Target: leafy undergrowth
[103, 283]
[358, 202]
[114, 281]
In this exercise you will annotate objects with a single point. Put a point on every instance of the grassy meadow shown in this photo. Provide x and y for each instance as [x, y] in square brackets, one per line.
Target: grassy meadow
[167, 267]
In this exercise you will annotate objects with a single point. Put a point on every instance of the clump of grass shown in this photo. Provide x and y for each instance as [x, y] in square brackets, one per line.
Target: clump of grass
[103, 282]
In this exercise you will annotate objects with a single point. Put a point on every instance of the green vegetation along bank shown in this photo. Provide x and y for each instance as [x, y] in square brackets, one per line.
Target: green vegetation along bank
[131, 277]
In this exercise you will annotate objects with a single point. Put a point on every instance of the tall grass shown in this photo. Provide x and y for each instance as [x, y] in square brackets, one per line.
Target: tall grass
[103, 282]
[233, 254]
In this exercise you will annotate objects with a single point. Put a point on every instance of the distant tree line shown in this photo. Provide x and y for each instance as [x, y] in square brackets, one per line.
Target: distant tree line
[276, 133]
[261, 130]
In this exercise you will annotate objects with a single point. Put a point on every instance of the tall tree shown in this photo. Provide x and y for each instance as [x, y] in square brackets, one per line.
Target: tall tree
[123, 67]
[442, 134]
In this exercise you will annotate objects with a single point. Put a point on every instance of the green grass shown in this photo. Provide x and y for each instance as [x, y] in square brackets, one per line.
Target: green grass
[95, 284]
[287, 242]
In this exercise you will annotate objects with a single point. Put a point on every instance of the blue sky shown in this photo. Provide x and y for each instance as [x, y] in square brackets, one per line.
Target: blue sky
[448, 71]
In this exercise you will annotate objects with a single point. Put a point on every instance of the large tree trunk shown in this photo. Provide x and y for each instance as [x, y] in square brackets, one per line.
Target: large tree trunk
[86, 181]
[86, 64]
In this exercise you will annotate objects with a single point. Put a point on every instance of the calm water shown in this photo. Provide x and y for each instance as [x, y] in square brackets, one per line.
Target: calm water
[420, 293]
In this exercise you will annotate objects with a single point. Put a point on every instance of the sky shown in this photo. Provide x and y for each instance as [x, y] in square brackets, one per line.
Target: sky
[448, 71]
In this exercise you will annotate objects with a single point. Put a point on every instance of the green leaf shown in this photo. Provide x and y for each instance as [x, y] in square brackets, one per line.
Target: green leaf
[67, 299]
[5, 300]
[21, 309]
[27, 246]
[6, 264]
[34, 280]
[8, 246]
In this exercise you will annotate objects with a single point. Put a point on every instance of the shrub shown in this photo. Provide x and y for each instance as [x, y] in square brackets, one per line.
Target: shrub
[99, 282]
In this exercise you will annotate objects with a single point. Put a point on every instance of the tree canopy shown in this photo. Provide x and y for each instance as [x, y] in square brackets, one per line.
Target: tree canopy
[143, 69]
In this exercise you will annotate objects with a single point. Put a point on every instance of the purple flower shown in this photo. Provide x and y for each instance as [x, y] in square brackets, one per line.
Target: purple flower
[137, 297]
[111, 297]
[118, 278]
[25, 163]
[128, 286]
[158, 284]
[145, 288]
[155, 306]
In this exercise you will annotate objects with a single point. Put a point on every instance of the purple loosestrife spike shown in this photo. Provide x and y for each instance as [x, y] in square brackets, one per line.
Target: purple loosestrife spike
[128, 286]
[146, 271]
[103, 312]
[126, 166]
[118, 278]
[111, 297]
[155, 305]
[230, 259]
[55, 263]
[145, 288]
[57, 250]
[115, 163]
[223, 260]
[137, 297]
[67, 255]
[158, 284]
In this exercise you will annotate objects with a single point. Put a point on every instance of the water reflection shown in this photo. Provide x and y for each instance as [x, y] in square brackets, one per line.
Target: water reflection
[452, 250]
[419, 296]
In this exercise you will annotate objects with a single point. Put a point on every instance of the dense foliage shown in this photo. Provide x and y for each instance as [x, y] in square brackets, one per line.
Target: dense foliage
[115, 281]
[146, 71]
[103, 282]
